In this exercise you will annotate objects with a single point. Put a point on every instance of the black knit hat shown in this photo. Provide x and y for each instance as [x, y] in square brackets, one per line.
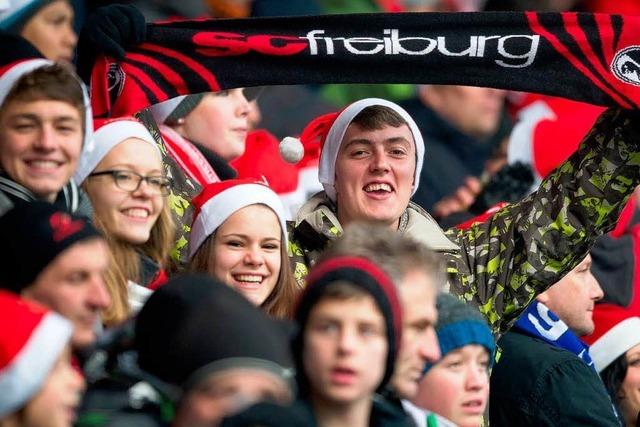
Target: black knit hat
[195, 325]
[364, 274]
[33, 234]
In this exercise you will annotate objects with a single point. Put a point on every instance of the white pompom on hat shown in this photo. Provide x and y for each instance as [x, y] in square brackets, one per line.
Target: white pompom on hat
[329, 130]
[31, 340]
[218, 201]
[108, 134]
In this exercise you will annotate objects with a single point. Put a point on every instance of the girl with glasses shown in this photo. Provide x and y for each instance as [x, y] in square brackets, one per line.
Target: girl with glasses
[125, 180]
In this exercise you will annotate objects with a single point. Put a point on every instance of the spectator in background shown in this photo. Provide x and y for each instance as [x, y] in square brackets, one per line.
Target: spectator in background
[457, 386]
[47, 25]
[462, 127]
[239, 237]
[544, 376]
[58, 260]
[39, 387]
[125, 181]
[216, 352]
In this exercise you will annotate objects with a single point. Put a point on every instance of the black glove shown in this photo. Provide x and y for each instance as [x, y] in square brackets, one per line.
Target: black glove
[110, 30]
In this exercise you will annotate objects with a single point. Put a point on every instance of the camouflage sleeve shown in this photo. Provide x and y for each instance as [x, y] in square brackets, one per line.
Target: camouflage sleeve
[526, 247]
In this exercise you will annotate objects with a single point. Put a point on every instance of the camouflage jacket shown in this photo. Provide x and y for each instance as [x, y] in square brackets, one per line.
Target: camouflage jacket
[500, 265]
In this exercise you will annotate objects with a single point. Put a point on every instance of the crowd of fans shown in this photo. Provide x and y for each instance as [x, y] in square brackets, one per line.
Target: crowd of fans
[176, 269]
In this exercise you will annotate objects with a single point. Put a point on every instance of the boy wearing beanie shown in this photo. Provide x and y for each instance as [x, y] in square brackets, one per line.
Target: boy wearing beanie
[350, 323]
[457, 386]
[57, 259]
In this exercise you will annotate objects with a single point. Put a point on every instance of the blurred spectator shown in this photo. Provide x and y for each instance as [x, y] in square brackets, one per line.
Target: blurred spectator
[58, 260]
[462, 127]
[457, 386]
[544, 375]
[39, 387]
[125, 181]
[239, 237]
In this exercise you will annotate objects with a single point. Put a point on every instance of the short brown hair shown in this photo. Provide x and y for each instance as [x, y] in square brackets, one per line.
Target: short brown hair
[376, 117]
[54, 82]
[392, 251]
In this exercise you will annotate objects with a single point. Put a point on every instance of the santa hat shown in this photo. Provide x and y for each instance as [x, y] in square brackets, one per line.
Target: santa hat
[617, 329]
[31, 340]
[329, 131]
[218, 201]
[23, 63]
[175, 108]
[365, 275]
[108, 134]
[15, 13]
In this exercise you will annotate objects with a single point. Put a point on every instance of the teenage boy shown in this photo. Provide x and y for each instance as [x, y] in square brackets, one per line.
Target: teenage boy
[350, 329]
[45, 123]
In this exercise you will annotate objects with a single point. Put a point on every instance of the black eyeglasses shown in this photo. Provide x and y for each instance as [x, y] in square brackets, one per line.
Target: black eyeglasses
[130, 181]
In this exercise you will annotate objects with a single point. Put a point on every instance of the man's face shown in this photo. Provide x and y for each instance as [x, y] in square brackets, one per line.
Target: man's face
[345, 349]
[475, 111]
[73, 285]
[40, 143]
[224, 393]
[375, 174]
[419, 339]
[573, 297]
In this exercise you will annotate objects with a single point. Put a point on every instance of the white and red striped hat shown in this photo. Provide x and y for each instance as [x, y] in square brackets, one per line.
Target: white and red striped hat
[218, 201]
[108, 134]
[31, 340]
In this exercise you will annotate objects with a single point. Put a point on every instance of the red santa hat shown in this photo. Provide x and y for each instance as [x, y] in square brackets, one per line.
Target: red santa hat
[31, 340]
[108, 134]
[218, 201]
[328, 131]
[617, 329]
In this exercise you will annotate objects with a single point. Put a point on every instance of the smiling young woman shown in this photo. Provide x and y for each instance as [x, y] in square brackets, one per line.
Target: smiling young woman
[239, 237]
[125, 181]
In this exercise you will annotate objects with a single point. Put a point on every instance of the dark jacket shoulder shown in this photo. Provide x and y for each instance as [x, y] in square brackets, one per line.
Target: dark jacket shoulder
[537, 384]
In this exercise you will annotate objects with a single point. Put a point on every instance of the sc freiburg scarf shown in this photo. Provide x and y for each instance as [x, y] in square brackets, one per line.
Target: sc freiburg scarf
[588, 57]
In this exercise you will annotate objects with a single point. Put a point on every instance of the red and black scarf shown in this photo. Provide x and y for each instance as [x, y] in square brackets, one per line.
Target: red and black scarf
[587, 57]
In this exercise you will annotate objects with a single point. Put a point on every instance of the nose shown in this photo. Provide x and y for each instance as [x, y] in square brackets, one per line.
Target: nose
[596, 290]
[98, 295]
[46, 139]
[242, 104]
[476, 377]
[70, 37]
[379, 160]
[429, 347]
[253, 256]
[347, 341]
[143, 190]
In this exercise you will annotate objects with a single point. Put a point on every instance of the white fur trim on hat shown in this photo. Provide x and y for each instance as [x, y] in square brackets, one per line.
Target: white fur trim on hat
[327, 168]
[615, 342]
[162, 110]
[217, 209]
[105, 139]
[13, 12]
[25, 375]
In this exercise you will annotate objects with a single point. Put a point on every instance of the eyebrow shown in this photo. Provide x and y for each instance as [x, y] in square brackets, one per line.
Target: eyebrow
[245, 236]
[132, 167]
[364, 141]
[36, 117]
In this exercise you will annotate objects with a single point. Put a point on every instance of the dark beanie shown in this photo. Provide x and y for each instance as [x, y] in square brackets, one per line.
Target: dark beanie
[371, 279]
[460, 324]
[194, 326]
[33, 234]
[187, 105]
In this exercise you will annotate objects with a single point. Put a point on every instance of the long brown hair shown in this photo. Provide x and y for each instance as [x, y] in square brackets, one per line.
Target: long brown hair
[280, 301]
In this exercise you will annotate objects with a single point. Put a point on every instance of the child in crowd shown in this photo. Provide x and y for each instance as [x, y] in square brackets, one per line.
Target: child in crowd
[350, 324]
[215, 352]
[457, 386]
[38, 385]
[125, 181]
[239, 237]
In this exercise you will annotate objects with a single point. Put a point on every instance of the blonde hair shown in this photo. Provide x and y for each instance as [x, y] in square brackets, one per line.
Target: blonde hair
[280, 301]
[125, 265]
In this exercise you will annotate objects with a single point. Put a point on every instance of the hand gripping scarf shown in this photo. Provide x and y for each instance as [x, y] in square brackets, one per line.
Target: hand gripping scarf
[593, 58]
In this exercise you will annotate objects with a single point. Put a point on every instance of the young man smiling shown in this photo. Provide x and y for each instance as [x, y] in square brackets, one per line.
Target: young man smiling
[44, 125]
[372, 156]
